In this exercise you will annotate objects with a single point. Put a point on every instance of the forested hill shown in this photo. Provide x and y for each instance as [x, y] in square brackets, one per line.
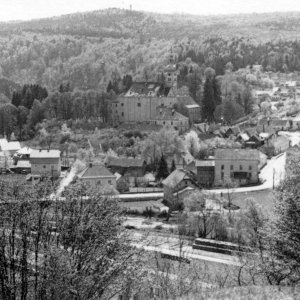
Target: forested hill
[89, 49]
[120, 23]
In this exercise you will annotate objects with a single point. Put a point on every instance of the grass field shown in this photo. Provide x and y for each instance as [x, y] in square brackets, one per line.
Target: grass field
[264, 198]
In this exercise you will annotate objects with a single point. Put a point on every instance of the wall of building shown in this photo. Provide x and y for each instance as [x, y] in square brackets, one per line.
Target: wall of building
[224, 170]
[182, 124]
[194, 114]
[99, 182]
[138, 109]
[206, 176]
[46, 167]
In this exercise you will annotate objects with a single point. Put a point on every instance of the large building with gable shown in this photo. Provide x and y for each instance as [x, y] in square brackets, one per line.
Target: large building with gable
[149, 101]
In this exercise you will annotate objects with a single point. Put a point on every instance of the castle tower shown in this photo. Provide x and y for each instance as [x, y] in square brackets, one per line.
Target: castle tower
[170, 72]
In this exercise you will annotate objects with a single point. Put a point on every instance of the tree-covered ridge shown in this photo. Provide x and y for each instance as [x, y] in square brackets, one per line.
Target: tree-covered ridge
[90, 49]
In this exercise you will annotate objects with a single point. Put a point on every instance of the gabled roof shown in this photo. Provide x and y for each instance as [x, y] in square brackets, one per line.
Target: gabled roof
[175, 178]
[265, 128]
[125, 162]
[45, 154]
[237, 154]
[96, 171]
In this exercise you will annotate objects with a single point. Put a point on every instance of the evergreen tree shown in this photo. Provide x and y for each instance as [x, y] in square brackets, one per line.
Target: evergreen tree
[109, 87]
[163, 171]
[217, 91]
[173, 167]
[16, 99]
[208, 102]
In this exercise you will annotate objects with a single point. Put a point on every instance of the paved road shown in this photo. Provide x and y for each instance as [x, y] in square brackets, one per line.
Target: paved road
[175, 247]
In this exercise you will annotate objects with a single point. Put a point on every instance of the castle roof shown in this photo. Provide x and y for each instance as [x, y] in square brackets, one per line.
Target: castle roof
[144, 88]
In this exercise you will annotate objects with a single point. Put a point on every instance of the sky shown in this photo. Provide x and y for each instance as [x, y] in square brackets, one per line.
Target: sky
[33, 9]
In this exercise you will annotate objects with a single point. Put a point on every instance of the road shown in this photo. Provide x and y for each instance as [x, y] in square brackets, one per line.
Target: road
[271, 174]
[181, 248]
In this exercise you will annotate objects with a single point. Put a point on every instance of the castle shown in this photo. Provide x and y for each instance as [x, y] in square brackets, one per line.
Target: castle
[160, 103]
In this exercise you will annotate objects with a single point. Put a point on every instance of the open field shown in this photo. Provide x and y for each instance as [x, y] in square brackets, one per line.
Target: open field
[264, 198]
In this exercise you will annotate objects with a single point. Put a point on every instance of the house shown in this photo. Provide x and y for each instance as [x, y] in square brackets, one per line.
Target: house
[23, 166]
[126, 166]
[276, 146]
[97, 176]
[237, 165]
[9, 148]
[205, 172]
[177, 181]
[45, 163]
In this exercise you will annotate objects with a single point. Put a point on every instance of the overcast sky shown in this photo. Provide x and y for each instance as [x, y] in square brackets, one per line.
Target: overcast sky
[32, 9]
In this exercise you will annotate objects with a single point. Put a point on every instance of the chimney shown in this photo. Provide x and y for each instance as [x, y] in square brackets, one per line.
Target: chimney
[90, 165]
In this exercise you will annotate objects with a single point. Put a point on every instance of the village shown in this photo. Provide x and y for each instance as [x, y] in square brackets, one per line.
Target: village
[245, 157]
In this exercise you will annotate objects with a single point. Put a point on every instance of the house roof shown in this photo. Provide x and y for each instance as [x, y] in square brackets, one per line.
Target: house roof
[45, 154]
[244, 136]
[190, 106]
[175, 178]
[125, 162]
[24, 164]
[205, 163]
[9, 146]
[237, 154]
[265, 128]
[96, 171]
[24, 151]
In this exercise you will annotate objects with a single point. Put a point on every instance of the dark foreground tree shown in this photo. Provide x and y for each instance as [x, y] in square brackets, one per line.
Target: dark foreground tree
[163, 171]
[71, 249]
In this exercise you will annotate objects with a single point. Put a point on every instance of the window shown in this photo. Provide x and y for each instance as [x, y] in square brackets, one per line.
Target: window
[109, 181]
[164, 122]
[241, 167]
[250, 168]
[116, 104]
[139, 104]
[250, 175]
[222, 175]
[122, 104]
[99, 182]
[222, 167]
[44, 167]
[122, 114]
[231, 167]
